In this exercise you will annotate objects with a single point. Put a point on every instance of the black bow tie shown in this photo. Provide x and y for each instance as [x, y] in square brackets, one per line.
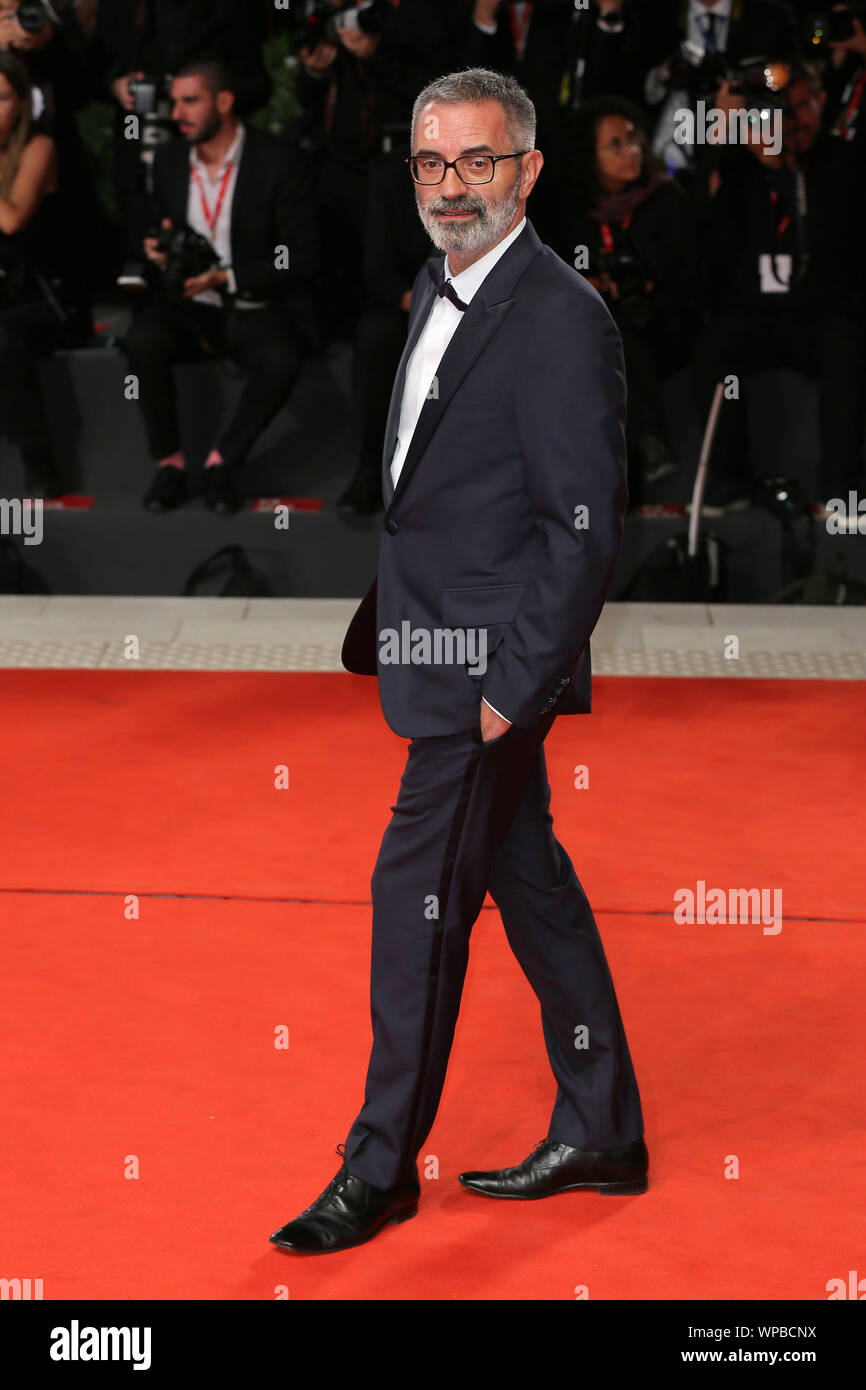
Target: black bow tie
[444, 287]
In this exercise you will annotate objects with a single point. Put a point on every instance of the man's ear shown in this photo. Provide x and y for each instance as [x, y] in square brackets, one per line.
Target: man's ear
[225, 103]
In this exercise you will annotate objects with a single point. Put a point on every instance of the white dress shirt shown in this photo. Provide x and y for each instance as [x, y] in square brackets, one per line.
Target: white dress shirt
[697, 24]
[442, 323]
[220, 236]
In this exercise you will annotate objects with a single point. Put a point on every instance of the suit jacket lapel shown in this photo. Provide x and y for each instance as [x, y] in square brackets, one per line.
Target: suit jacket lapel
[428, 295]
[487, 310]
[245, 173]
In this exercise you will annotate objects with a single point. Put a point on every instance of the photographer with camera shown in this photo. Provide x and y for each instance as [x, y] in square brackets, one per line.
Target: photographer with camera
[39, 310]
[688, 49]
[136, 47]
[396, 246]
[784, 256]
[360, 68]
[234, 247]
[843, 32]
[630, 229]
[561, 53]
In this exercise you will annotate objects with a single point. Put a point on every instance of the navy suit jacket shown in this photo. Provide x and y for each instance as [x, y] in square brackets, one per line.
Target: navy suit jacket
[509, 509]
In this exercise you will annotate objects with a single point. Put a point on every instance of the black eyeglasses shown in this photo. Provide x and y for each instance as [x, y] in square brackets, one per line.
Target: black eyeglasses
[469, 168]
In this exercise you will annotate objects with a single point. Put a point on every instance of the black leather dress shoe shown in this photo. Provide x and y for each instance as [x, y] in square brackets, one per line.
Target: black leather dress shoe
[554, 1167]
[348, 1212]
[167, 490]
[220, 493]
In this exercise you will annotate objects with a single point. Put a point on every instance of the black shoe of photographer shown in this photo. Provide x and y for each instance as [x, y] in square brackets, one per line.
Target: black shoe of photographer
[132, 276]
[363, 496]
[553, 1167]
[349, 1212]
[220, 493]
[168, 489]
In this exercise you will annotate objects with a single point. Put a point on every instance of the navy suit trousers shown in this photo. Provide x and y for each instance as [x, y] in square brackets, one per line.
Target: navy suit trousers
[471, 816]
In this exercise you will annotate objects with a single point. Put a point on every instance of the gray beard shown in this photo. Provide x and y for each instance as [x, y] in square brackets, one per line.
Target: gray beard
[469, 237]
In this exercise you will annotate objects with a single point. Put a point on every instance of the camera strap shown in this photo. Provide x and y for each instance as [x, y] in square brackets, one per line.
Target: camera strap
[853, 95]
[800, 220]
[212, 218]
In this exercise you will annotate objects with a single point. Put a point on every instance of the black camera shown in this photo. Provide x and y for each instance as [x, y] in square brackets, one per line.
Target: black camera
[700, 74]
[187, 254]
[632, 303]
[148, 94]
[33, 15]
[151, 97]
[833, 26]
[319, 22]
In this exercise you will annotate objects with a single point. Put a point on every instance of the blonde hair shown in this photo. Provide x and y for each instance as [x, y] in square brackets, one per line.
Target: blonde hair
[18, 78]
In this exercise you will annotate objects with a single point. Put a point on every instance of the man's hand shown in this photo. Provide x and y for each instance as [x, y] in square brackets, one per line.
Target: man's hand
[319, 58]
[150, 244]
[198, 284]
[406, 301]
[610, 7]
[856, 44]
[357, 42]
[491, 724]
[486, 11]
[120, 89]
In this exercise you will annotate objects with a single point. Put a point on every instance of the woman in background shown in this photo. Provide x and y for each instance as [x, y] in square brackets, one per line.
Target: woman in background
[630, 229]
[38, 310]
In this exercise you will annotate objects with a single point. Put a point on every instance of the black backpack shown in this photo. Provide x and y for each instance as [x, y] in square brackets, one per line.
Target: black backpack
[228, 573]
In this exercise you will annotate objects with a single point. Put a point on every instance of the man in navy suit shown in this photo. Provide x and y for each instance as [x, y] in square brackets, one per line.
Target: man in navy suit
[505, 493]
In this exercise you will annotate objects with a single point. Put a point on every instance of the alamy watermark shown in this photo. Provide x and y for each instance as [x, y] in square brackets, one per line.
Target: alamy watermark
[22, 516]
[714, 906]
[740, 125]
[438, 646]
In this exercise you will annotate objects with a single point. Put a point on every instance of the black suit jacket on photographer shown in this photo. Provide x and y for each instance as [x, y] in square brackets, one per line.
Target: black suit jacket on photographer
[125, 40]
[396, 244]
[526, 426]
[758, 28]
[272, 207]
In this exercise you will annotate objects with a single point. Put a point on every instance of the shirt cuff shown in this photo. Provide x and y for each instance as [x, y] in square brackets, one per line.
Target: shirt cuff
[231, 282]
[496, 711]
[485, 28]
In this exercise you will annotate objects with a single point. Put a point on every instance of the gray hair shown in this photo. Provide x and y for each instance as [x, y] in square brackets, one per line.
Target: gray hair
[483, 84]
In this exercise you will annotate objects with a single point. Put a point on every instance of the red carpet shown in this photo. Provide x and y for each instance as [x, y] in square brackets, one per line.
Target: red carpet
[154, 1037]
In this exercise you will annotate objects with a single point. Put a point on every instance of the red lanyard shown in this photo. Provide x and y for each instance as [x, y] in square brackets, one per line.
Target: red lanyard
[519, 17]
[212, 219]
[607, 234]
[845, 122]
[785, 222]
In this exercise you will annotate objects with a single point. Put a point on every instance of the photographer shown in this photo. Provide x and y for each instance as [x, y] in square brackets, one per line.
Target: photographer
[688, 48]
[36, 312]
[560, 53]
[845, 115]
[137, 45]
[396, 246]
[238, 255]
[360, 69]
[784, 244]
[636, 226]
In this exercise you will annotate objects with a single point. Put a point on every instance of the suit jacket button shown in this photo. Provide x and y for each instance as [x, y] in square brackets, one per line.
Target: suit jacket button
[391, 527]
